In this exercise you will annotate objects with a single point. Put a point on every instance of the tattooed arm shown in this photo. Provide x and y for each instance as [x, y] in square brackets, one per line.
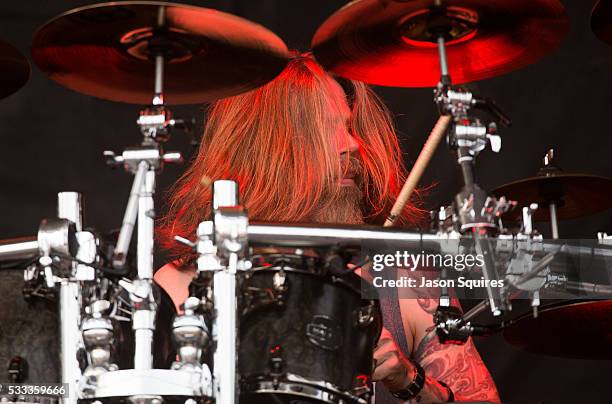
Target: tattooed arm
[396, 372]
[459, 366]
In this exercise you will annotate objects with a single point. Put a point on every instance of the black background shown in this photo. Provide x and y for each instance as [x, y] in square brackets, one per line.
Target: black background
[53, 139]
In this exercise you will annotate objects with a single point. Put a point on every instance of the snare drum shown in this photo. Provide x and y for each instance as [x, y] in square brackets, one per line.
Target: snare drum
[306, 336]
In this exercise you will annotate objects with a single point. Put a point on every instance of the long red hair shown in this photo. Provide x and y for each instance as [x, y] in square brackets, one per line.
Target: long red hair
[275, 141]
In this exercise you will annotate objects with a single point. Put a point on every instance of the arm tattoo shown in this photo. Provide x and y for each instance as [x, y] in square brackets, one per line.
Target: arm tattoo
[427, 304]
[459, 366]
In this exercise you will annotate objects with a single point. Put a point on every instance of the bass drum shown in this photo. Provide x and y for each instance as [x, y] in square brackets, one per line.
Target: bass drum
[305, 336]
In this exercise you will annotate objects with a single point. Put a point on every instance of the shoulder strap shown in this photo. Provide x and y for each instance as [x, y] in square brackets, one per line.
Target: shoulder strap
[392, 320]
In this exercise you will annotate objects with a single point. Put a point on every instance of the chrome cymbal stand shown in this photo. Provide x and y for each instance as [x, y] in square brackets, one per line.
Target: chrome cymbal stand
[222, 247]
[144, 161]
[69, 207]
[476, 211]
[230, 223]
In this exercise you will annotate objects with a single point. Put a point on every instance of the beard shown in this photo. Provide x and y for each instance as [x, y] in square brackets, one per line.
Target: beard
[345, 207]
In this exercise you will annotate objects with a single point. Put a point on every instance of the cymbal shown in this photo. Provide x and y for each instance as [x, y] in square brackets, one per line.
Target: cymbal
[388, 43]
[601, 21]
[576, 195]
[107, 51]
[14, 69]
[580, 329]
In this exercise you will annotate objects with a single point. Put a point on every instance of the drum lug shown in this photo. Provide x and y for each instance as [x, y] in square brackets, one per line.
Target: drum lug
[191, 335]
[280, 287]
[17, 369]
[98, 338]
[279, 281]
[276, 365]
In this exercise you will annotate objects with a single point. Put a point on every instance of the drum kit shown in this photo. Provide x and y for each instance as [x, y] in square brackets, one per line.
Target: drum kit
[288, 325]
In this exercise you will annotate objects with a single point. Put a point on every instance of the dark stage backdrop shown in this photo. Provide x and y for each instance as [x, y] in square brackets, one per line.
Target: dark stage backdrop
[52, 140]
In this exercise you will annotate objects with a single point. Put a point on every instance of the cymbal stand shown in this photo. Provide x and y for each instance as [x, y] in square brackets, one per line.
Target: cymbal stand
[144, 161]
[230, 227]
[476, 211]
[70, 208]
[222, 245]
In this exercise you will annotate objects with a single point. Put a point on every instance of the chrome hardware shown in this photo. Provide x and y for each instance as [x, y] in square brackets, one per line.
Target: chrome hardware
[97, 331]
[191, 336]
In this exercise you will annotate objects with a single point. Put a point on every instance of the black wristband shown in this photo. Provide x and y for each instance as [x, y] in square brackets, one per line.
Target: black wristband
[414, 387]
[451, 395]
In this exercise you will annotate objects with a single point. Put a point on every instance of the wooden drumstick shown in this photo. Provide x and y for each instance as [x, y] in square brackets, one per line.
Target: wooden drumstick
[421, 163]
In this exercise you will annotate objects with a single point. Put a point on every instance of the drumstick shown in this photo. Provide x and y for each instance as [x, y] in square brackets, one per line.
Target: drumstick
[419, 167]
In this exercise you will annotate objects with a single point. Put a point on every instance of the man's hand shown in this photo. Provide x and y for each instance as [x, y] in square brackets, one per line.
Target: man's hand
[390, 365]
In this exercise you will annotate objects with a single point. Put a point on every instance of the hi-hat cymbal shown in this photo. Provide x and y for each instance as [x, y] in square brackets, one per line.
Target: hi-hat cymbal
[107, 51]
[575, 195]
[580, 329]
[601, 20]
[388, 42]
[14, 69]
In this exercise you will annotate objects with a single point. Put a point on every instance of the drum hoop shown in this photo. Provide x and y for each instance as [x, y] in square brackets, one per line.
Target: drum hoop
[296, 385]
[162, 382]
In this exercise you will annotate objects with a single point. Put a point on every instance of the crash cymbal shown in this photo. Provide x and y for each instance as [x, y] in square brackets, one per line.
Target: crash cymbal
[576, 195]
[14, 69]
[388, 42]
[107, 51]
[580, 329]
[601, 21]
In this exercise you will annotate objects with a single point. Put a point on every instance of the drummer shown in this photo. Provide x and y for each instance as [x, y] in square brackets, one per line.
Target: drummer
[308, 148]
